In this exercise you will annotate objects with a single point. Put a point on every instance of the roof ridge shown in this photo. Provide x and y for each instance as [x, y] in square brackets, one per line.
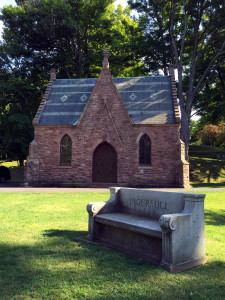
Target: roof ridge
[91, 78]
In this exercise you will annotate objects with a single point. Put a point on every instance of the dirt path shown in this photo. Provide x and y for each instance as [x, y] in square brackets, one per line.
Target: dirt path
[90, 190]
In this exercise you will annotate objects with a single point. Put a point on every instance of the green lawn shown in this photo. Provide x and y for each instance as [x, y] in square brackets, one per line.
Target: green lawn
[43, 256]
[206, 169]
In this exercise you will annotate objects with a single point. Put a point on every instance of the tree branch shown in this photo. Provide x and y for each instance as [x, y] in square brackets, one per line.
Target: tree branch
[184, 33]
[193, 58]
[194, 93]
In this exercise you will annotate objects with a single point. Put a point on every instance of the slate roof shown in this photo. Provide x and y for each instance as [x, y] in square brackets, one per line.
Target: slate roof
[148, 100]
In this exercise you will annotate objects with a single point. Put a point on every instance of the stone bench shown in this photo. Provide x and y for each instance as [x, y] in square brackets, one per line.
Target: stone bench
[163, 228]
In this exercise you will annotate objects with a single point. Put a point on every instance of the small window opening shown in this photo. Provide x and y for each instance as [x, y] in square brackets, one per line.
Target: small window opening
[65, 151]
[145, 150]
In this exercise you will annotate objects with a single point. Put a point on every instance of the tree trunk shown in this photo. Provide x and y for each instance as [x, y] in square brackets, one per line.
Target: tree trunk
[184, 131]
[21, 162]
[79, 56]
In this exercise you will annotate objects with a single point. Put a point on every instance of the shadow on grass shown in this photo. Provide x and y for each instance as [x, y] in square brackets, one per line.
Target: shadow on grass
[215, 218]
[208, 185]
[207, 169]
[68, 234]
[62, 266]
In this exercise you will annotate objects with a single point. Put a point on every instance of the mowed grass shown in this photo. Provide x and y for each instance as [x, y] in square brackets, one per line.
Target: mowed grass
[206, 169]
[43, 254]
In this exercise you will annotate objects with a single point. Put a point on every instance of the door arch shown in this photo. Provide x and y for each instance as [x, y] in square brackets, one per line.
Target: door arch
[104, 164]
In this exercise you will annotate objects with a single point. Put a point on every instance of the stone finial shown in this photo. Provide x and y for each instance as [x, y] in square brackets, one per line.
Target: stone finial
[171, 71]
[105, 62]
[53, 74]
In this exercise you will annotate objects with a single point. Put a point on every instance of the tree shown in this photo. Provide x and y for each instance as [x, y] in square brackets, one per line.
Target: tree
[210, 102]
[66, 34]
[154, 45]
[195, 32]
[209, 135]
[195, 127]
[16, 132]
[123, 43]
[213, 135]
[69, 35]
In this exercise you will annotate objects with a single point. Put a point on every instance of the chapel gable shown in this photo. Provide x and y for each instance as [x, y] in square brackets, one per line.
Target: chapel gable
[106, 130]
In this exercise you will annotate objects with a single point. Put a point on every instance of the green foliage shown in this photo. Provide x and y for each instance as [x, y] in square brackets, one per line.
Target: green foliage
[20, 93]
[213, 135]
[190, 34]
[195, 127]
[4, 174]
[16, 171]
[154, 45]
[16, 134]
[70, 35]
[209, 134]
[210, 103]
[43, 254]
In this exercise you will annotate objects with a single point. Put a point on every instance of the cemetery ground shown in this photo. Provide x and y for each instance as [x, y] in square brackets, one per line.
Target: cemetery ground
[43, 254]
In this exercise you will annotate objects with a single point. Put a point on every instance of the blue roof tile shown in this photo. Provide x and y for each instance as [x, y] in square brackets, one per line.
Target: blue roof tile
[148, 100]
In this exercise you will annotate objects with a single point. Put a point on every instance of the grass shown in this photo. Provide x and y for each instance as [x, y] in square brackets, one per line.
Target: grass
[206, 169]
[204, 151]
[43, 255]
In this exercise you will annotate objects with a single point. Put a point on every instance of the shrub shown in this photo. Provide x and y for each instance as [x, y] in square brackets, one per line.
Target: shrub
[209, 135]
[221, 136]
[213, 135]
[4, 174]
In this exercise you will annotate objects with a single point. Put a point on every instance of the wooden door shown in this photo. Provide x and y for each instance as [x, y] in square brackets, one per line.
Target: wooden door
[104, 164]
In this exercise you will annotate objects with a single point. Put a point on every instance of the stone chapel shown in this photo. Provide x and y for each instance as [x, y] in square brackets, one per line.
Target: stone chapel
[108, 131]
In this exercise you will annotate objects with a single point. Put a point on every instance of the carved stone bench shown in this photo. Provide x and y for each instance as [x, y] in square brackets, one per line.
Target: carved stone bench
[163, 228]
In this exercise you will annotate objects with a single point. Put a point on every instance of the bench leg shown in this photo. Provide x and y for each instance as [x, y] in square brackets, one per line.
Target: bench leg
[174, 258]
[90, 235]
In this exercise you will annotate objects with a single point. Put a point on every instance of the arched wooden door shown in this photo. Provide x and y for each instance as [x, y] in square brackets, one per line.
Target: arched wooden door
[104, 164]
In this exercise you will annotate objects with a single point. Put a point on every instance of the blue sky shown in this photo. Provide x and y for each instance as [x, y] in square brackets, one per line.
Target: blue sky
[6, 2]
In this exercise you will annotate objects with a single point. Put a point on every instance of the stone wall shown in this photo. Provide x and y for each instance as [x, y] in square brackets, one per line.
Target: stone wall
[162, 172]
[106, 119]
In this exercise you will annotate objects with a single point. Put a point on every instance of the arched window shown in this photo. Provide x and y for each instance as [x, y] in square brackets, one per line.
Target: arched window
[65, 151]
[145, 150]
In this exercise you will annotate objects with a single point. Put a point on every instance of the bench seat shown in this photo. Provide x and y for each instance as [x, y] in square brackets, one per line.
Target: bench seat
[130, 222]
[165, 229]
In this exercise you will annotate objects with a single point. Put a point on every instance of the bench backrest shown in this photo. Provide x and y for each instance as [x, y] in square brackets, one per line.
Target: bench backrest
[149, 203]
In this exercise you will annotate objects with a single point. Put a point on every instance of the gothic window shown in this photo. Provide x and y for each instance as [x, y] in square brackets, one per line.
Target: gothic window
[65, 151]
[145, 150]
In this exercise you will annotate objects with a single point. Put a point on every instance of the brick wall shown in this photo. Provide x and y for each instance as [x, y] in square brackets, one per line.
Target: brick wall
[106, 119]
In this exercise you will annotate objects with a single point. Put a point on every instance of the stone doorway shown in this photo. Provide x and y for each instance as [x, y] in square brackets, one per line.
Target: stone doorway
[104, 164]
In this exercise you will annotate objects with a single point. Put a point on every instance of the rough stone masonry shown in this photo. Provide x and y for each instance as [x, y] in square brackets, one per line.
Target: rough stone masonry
[102, 131]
